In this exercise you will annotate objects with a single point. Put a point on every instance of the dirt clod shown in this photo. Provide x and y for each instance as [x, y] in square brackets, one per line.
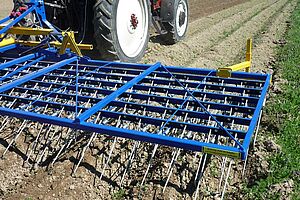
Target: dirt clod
[271, 146]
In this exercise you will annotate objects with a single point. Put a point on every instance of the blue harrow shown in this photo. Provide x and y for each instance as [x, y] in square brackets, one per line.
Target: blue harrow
[49, 81]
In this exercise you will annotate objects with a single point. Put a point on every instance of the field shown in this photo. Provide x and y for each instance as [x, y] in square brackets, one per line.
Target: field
[217, 37]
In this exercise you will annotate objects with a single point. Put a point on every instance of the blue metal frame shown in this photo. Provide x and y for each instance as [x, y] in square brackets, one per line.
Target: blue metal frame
[123, 92]
[163, 101]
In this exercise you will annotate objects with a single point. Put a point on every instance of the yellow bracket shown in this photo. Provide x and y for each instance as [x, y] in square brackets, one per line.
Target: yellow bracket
[226, 71]
[7, 41]
[67, 43]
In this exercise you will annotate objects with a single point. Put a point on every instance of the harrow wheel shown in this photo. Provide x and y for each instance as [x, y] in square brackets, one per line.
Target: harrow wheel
[176, 30]
[122, 28]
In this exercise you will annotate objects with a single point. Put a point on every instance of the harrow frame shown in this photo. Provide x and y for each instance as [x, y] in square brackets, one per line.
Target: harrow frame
[188, 104]
[142, 72]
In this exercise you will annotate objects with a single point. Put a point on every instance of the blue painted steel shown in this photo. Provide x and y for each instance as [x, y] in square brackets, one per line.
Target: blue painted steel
[117, 93]
[36, 74]
[38, 59]
[4, 20]
[158, 97]
[8, 47]
[117, 132]
[256, 115]
[18, 61]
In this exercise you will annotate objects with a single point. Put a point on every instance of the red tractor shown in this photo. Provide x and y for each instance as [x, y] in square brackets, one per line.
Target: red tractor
[119, 28]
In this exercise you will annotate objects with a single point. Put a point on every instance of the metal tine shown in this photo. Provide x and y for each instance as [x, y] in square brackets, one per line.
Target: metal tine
[201, 168]
[54, 133]
[227, 176]
[111, 150]
[22, 127]
[226, 179]
[257, 129]
[46, 143]
[224, 160]
[152, 157]
[197, 121]
[83, 151]
[48, 127]
[94, 135]
[108, 159]
[132, 154]
[137, 143]
[35, 143]
[229, 167]
[65, 146]
[254, 142]
[202, 161]
[176, 154]
[156, 146]
[4, 122]
[223, 166]
[130, 160]
[67, 143]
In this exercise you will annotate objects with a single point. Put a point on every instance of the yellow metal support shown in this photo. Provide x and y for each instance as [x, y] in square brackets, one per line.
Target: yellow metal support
[69, 41]
[28, 31]
[7, 41]
[226, 71]
[54, 44]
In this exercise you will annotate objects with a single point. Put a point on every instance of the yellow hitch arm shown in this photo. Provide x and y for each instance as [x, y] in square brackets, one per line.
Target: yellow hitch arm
[28, 31]
[54, 44]
[226, 71]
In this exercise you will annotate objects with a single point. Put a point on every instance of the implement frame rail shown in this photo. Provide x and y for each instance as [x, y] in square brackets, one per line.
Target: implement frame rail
[154, 97]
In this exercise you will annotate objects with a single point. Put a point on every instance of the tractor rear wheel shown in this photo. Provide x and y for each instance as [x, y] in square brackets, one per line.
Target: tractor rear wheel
[121, 28]
[176, 29]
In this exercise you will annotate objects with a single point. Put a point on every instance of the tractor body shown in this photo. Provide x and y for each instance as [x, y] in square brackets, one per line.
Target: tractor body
[96, 21]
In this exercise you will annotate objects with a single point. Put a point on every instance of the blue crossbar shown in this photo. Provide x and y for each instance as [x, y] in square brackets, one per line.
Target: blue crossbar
[172, 106]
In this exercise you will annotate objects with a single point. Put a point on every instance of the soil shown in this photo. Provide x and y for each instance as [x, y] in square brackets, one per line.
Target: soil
[217, 37]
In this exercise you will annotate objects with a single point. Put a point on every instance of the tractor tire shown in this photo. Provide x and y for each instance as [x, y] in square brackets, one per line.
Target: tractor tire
[177, 29]
[121, 29]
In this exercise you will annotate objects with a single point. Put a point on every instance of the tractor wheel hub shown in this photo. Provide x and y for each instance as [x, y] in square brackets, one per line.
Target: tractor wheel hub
[133, 21]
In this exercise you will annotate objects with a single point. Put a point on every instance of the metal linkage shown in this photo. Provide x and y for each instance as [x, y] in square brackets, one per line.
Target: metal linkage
[195, 102]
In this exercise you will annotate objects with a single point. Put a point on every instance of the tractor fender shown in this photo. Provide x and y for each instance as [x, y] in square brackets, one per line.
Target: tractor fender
[167, 10]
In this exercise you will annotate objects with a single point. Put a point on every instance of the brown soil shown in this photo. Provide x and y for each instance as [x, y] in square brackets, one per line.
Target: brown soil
[206, 7]
[216, 37]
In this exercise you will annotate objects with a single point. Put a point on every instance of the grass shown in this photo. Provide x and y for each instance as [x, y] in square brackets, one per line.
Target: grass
[119, 195]
[284, 112]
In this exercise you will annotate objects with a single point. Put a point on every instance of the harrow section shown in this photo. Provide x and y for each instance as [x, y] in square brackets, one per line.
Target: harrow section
[72, 98]
[171, 106]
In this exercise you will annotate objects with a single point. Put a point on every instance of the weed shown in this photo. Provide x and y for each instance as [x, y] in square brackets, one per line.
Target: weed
[119, 195]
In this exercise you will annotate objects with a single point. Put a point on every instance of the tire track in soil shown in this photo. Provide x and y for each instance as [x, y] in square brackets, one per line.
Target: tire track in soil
[190, 49]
